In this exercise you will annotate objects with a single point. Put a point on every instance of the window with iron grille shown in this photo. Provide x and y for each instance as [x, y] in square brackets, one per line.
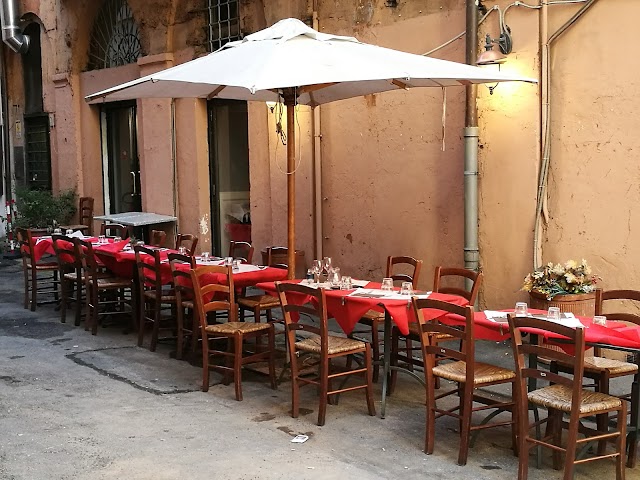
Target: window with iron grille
[115, 39]
[38, 159]
[224, 23]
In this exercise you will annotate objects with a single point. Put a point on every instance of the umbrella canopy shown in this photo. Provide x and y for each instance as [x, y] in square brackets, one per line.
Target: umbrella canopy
[293, 62]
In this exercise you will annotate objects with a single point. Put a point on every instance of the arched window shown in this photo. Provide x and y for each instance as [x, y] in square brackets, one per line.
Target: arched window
[115, 39]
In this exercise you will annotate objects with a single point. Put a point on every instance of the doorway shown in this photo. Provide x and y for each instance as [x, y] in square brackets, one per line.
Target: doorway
[121, 166]
[229, 173]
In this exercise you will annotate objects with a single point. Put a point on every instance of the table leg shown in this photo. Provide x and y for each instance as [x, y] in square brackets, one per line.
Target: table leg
[632, 436]
[386, 361]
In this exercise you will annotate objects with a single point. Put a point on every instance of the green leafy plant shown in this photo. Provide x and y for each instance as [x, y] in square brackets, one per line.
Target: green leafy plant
[40, 209]
[558, 279]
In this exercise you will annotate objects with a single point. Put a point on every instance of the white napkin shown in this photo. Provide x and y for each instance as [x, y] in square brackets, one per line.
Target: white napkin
[495, 316]
[76, 234]
[359, 283]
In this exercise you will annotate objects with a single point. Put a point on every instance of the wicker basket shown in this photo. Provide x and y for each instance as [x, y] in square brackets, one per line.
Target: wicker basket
[583, 304]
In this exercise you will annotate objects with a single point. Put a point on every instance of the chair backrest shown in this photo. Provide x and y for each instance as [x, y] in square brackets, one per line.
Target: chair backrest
[273, 253]
[316, 308]
[68, 259]
[25, 240]
[462, 350]
[241, 250]
[158, 237]
[148, 273]
[411, 266]
[214, 297]
[182, 276]
[187, 240]
[85, 212]
[458, 275]
[114, 230]
[631, 297]
[84, 251]
[522, 351]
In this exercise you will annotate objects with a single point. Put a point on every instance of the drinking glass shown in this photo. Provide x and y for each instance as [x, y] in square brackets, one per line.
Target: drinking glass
[117, 239]
[228, 261]
[335, 277]
[69, 232]
[236, 265]
[182, 250]
[521, 309]
[347, 283]
[102, 239]
[326, 264]
[387, 283]
[406, 288]
[600, 320]
[57, 231]
[204, 256]
[553, 314]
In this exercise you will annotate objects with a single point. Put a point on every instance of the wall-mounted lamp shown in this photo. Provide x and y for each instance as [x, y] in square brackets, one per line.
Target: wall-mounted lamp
[494, 57]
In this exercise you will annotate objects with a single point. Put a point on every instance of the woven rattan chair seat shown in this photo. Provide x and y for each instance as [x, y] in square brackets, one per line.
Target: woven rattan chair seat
[44, 266]
[151, 294]
[336, 344]
[111, 282]
[483, 372]
[615, 367]
[372, 315]
[559, 397]
[237, 327]
[263, 301]
[414, 329]
[73, 277]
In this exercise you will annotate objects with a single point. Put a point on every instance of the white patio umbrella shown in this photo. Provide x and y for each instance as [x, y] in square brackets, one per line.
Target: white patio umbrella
[294, 63]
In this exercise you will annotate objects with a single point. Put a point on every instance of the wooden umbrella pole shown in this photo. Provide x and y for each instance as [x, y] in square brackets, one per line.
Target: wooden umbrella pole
[290, 102]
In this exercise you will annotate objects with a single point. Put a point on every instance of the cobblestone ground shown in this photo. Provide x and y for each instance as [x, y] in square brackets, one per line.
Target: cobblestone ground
[77, 406]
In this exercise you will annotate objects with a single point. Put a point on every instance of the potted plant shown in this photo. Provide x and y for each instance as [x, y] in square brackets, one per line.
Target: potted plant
[571, 287]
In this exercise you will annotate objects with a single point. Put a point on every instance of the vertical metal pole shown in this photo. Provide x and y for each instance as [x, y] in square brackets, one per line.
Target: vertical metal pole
[290, 102]
[471, 251]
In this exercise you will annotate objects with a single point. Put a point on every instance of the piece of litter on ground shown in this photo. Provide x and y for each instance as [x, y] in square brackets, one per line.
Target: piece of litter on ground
[311, 468]
[300, 439]
[75, 346]
[383, 449]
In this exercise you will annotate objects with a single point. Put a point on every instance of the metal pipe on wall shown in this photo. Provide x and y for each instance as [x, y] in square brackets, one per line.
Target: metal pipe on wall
[11, 33]
[317, 167]
[471, 250]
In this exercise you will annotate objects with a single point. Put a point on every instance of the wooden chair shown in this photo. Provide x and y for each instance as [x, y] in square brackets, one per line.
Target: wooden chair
[221, 297]
[241, 250]
[277, 252]
[262, 303]
[158, 237]
[34, 282]
[102, 290]
[563, 396]
[446, 280]
[85, 217]
[71, 276]
[184, 302]
[601, 370]
[460, 367]
[374, 319]
[115, 230]
[154, 296]
[189, 241]
[328, 347]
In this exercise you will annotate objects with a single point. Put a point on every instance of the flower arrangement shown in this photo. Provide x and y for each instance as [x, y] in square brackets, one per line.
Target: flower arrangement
[567, 279]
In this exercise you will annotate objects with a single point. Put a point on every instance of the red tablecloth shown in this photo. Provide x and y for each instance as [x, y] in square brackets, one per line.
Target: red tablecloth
[615, 334]
[349, 310]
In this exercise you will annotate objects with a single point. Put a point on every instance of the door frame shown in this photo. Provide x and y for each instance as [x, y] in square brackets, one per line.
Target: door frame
[104, 139]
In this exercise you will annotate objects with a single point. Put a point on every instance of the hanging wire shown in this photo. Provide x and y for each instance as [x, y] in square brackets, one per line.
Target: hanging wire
[277, 111]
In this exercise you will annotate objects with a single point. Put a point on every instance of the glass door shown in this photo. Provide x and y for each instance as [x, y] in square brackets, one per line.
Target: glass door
[120, 159]
[229, 173]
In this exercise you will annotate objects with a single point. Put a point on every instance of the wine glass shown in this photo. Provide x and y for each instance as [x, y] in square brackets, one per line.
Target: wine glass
[326, 263]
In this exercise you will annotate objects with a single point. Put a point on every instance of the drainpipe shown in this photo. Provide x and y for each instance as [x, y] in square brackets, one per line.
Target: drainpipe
[317, 166]
[11, 33]
[471, 251]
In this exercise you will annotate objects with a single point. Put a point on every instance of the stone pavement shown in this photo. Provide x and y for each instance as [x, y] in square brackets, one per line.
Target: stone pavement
[75, 406]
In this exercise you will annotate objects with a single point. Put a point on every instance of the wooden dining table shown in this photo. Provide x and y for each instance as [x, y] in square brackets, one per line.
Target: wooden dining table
[348, 306]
